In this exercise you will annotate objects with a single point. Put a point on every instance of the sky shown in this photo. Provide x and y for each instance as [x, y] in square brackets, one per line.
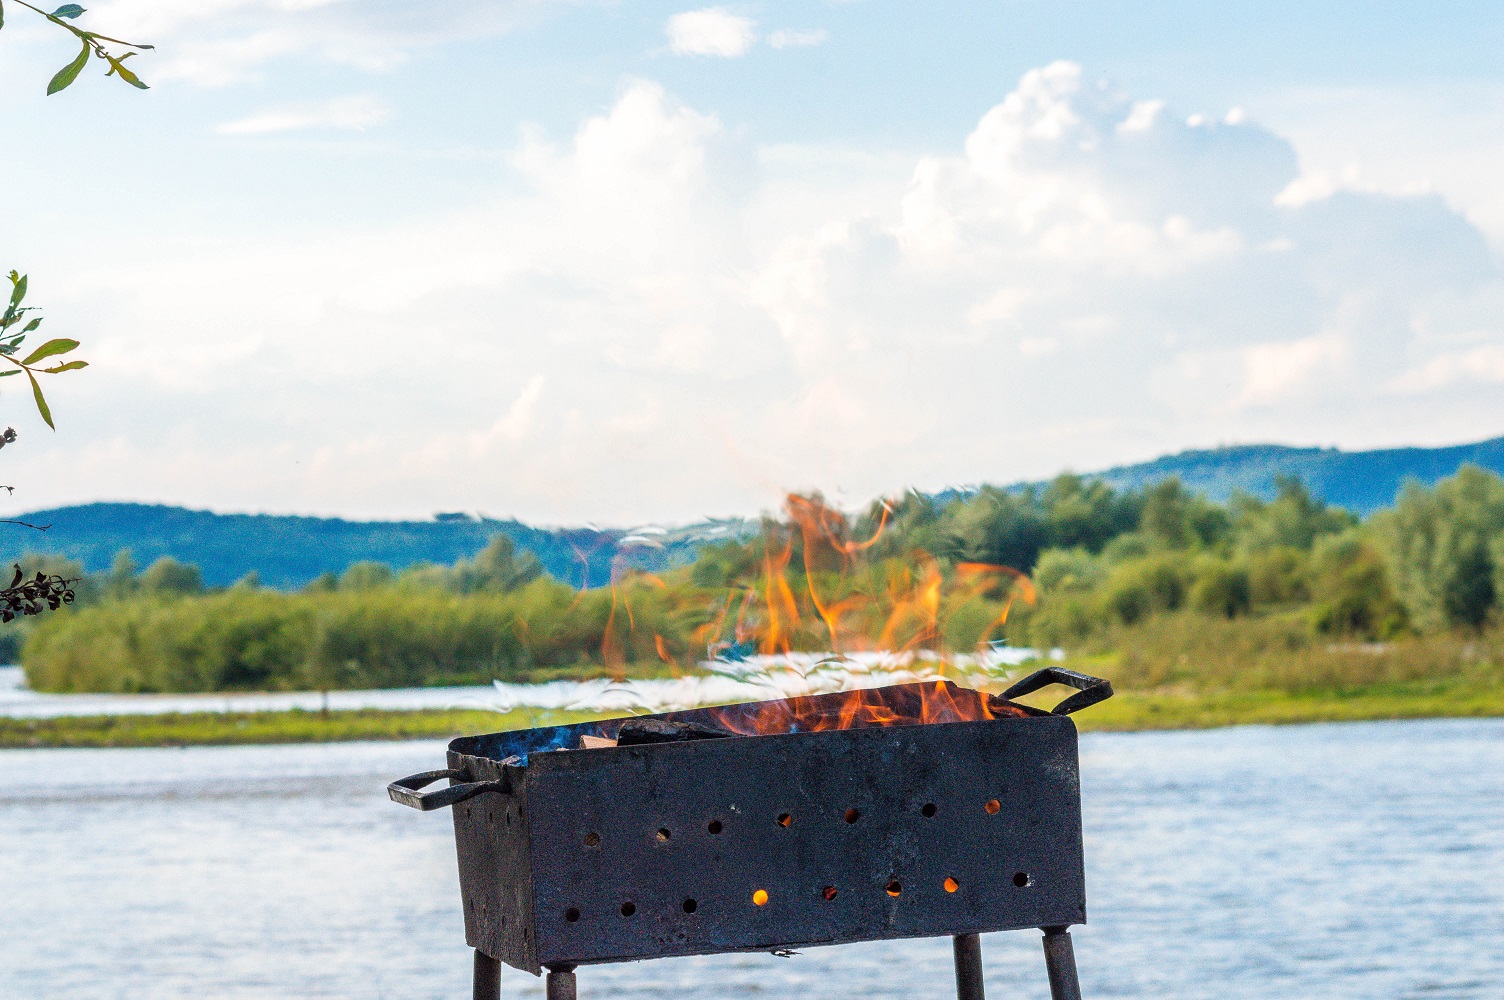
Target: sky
[628, 262]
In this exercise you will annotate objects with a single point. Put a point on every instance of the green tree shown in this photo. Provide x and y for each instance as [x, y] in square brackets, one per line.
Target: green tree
[1351, 589]
[497, 568]
[1176, 518]
[1088, 513]
[366, 576]
[998, 527]
[121, 581]
[1293, 519]
[1445, 546]
[167, 576]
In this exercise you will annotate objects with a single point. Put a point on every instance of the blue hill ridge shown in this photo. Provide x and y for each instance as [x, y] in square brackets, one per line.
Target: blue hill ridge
[288, 551]
[1361, 481]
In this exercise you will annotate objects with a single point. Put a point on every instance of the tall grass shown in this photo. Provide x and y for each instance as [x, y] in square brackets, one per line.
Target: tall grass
[1199, 653]
[246, 639]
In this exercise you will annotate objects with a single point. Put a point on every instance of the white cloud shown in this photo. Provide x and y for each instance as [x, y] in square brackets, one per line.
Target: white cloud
[711, 31]
[357, 113]
[1481, 364]
[216, 42]
[669, 323]
[786, 38]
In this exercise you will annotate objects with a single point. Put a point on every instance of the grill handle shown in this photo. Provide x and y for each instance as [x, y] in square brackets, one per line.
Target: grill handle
[1090, 689]
[405, 791]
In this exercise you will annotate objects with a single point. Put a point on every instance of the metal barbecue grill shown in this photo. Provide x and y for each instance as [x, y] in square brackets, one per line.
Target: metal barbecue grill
[675, 834]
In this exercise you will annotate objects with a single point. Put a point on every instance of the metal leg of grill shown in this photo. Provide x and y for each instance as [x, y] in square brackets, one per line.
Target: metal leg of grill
[487, 980]
[968, 949]
[1060, 963]
[560, 984]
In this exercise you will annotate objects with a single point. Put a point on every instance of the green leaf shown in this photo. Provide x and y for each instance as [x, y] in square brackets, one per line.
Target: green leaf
[19, 292]
[116, 66]
[32, 325]
[60, 346]
[13, 371]
[68, 10]
[36, 392]
[70, 72]
[70, 366]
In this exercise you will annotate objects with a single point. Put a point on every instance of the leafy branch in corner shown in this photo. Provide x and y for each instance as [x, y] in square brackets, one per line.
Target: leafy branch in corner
[93, 44]
[32, 597]
[10, 345]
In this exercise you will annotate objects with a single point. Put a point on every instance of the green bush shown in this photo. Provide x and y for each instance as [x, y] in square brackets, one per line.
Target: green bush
[1351, 590]
[1138, 588]
[1220, 588]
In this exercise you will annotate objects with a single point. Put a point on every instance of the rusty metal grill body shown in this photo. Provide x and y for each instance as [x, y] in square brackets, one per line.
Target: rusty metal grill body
[763, 843]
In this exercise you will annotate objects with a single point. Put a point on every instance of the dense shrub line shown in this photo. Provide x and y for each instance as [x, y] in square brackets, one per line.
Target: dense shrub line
[1180, 590]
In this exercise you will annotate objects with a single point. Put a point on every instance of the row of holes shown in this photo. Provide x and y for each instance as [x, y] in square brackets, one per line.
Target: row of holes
[992, 807]
[828, 893]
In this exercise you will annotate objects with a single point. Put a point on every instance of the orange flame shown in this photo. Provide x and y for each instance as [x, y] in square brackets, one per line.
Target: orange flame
[848, 600]
[898, 705]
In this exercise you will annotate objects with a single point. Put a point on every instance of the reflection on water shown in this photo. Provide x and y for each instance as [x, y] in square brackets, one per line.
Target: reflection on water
[1352, 861]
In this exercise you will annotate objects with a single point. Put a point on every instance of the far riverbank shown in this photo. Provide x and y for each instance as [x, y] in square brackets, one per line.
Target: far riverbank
[1127, 711]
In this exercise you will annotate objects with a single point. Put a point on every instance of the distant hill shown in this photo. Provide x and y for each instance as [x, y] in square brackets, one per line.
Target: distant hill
[1361, 481]
[289, 551]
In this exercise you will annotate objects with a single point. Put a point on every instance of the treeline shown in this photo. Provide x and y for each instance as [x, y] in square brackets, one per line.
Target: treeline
[1076, 564]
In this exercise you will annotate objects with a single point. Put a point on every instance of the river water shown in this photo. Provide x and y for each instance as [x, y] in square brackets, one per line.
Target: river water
[1334, 861]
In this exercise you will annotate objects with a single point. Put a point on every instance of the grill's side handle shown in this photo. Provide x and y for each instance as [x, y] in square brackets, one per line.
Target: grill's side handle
[405, 791]
[1090, 689]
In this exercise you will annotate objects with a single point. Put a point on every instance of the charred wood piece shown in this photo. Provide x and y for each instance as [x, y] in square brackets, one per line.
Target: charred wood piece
[635, 732]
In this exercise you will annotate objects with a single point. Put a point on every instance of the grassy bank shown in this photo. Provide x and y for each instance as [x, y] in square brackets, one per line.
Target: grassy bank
[1140, 710]
[1128, 711]
[232, 728]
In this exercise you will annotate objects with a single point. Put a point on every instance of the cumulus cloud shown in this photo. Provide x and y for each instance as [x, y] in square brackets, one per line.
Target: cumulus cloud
[786, 38]
[711, 31]
[670, 322]
[352, 113]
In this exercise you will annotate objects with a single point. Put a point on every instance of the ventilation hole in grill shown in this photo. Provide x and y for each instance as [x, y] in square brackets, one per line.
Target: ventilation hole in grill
[951, 885]
[663, 834]
[628, 908]
[828, 893]
[852, 815]
[929, 809]
[690, 906]
[714, 826]
[592, 839]
[784, 819]
[1023, 880]
[760, 897]
[571, 914]
[893, 888]
[992, 807]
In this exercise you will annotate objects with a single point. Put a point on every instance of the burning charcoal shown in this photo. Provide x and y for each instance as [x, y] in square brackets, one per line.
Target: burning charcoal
[647, 730]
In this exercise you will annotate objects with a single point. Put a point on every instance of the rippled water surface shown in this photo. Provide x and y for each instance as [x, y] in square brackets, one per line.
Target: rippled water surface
[1351, 861]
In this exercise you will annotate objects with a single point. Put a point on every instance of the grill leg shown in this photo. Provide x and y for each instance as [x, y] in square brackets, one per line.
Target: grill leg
[1060, 963]
[560, 984]
[487, 980]
[968, 949]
